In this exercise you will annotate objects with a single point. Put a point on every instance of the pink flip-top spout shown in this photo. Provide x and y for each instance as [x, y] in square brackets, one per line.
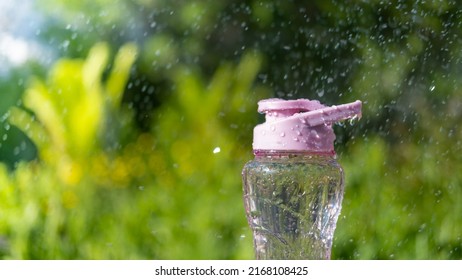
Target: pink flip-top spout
[300, 125]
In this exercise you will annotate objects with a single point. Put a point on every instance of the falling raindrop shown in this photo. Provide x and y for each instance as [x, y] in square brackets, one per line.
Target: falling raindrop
[353, 120]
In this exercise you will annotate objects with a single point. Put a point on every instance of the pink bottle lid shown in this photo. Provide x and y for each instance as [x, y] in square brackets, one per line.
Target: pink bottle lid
[300, 125]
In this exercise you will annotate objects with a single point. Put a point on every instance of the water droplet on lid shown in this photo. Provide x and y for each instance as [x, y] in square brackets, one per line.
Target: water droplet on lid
[273, 128]
[432, 87]
[296, 139]
[216, 150]
[299, 133]
[314, 134]
[283, 134]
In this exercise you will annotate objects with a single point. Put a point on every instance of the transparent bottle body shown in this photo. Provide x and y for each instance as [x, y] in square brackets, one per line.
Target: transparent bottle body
[292, 203]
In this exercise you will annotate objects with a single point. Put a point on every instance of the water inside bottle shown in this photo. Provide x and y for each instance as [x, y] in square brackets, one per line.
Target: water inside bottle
[292, 205]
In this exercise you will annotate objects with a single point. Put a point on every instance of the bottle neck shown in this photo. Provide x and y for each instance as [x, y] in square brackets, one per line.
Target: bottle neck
[291, 153]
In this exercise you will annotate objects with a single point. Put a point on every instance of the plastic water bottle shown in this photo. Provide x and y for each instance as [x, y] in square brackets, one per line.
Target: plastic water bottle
[293, 189]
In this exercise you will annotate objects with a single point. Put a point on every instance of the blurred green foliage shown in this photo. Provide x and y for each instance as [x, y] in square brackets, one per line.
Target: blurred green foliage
[138, 155]
[143, 196]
